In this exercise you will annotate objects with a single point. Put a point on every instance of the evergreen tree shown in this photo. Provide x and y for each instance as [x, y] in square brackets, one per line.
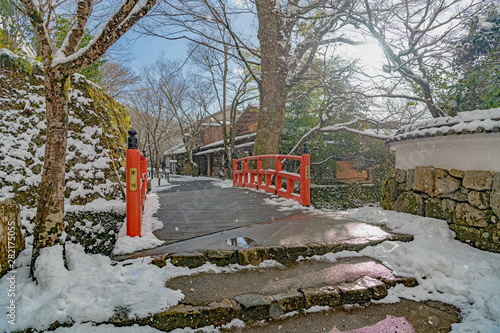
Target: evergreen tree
[477, 60]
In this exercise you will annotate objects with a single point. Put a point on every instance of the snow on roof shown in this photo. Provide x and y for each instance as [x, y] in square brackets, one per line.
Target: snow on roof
[179, 149]
[248, 144]
[479, 121]
[236, 139]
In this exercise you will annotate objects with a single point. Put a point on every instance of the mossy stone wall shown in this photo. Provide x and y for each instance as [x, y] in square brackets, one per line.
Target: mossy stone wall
[340, 197]
[468, 200]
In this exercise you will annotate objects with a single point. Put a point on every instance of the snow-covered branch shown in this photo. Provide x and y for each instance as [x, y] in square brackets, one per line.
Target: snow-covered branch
[117, 25]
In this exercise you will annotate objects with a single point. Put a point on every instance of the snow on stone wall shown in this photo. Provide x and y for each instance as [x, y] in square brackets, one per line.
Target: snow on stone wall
[96, 142]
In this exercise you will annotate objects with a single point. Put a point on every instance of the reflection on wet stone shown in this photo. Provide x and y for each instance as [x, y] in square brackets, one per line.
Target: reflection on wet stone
[243, 242]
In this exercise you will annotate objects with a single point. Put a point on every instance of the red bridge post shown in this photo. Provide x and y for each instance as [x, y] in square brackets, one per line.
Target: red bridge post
[134, 191]
[305, 180]
[235, 175]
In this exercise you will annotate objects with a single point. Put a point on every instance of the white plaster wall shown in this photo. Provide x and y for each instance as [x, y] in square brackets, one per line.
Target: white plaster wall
[463, 152]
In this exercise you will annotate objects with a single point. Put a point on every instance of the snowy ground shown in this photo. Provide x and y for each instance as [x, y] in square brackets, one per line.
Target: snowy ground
[94, 286]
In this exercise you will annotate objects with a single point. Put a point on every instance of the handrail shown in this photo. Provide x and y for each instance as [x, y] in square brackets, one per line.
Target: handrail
[262, 179]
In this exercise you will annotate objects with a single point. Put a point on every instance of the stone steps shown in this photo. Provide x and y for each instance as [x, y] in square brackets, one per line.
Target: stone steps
[257, 255]
[269, 293]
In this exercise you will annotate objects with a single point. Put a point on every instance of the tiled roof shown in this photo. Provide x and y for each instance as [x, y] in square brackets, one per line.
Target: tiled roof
[479, 121]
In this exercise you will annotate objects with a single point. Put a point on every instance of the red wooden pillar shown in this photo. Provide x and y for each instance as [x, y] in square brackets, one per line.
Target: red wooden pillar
[259, 169]
[235, 168]
[133, 192]
[144, 180]
[305, 181]
[278, 168]
[245, 171]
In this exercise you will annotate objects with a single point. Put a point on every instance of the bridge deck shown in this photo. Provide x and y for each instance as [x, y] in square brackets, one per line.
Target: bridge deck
[198, 207]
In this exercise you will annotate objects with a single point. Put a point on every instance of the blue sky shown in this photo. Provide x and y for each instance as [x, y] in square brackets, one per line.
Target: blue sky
[148, 49]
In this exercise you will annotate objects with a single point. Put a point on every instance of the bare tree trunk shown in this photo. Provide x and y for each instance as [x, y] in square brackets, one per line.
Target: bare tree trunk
[49, 223]
[273, 88]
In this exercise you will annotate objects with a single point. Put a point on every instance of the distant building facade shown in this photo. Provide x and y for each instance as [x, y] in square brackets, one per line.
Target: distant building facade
[209, 153]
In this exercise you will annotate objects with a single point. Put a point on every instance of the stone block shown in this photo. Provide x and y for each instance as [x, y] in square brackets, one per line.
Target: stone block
[252, 256]
[294, 252]
[184, 315]
[289, 301]
[362, 290]
[400, 176]
[409, 202]
[478, 199]
[434, 181]
[324, 296]
[253, 306]
[390, 192]
[459, 196]
[470, 216]
[188, 259]
[495, 195]
[11, 236]
[279, 254]
[433, 208]
[487, 239]
[448, 208]
[456, 173]
[318, 249]
[222, 257]
[160, 261]
[478, 180]
[407, 281]
[410, 175]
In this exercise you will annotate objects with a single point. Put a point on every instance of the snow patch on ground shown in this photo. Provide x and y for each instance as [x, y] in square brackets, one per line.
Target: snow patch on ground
[164, 185]
[180, 178]
[447, 270]
[285, 204]
[149, 223]
[317, 308]
[90, 328]
[226, 183]
[91, 289]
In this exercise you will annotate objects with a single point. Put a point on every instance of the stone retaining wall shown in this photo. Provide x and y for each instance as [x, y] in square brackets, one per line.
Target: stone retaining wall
[11, 237]
[341, 197]
[468, 200]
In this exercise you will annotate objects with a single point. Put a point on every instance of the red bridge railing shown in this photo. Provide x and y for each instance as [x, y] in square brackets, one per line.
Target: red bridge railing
[263, 179]
[137, 185]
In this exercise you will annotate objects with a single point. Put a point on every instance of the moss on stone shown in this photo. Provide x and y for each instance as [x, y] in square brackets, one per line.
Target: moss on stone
[390, 193]
[433, 208]
[487, 239]
[342, 197]
[409, 202]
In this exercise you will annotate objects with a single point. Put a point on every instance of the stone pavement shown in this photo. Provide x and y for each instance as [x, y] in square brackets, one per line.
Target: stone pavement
[197, 208]
[266, 294]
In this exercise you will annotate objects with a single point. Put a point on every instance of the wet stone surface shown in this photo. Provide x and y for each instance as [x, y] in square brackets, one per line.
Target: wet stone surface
[243, 242]
[403, 317]
[207, 287]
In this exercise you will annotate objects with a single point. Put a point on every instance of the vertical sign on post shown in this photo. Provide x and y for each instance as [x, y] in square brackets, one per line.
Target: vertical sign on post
[133, 194]
[305, 177]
